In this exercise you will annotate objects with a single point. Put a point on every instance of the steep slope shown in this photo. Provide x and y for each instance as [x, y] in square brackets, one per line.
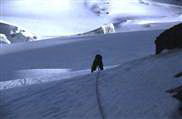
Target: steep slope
[134, 90]
[140, 88]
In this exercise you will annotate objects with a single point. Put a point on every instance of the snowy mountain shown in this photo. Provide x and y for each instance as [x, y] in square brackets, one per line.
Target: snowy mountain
[76, 17]
[51, 78]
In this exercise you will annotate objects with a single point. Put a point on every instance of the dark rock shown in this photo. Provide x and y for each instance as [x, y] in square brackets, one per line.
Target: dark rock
[169, 39]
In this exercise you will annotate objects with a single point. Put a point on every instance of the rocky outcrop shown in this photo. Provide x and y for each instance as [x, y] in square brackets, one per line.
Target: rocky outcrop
[169, 39]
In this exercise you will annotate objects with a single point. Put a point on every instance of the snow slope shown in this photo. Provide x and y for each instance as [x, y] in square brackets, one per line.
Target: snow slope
[74, 53]
[134, 90]
[51, 78]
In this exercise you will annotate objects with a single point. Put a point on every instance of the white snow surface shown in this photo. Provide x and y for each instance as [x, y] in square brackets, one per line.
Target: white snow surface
[50, 79]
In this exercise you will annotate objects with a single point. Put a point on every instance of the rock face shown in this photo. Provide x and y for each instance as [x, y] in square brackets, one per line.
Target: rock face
[177, 94]
[108, 28]
[169, 39]
[175, 2]
[15, 34]
[3, 39]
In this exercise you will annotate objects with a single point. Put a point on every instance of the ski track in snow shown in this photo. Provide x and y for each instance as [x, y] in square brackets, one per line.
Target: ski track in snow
[39, 76]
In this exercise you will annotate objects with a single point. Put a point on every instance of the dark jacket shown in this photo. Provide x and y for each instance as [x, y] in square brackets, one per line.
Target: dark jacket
[97, 63]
